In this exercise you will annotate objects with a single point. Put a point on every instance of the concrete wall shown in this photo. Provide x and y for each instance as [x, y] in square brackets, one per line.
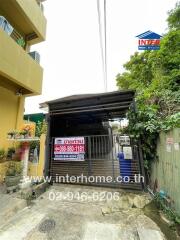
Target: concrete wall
[167, 169]
[37, 169]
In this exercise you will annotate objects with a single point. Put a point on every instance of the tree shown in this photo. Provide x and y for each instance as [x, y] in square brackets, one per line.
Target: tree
[155, 75]
[174, 17]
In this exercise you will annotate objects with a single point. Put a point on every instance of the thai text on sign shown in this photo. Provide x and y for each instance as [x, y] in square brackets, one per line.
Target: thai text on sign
[69, 148]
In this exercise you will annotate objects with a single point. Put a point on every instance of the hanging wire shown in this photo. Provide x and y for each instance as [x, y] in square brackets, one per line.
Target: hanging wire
[103, 47]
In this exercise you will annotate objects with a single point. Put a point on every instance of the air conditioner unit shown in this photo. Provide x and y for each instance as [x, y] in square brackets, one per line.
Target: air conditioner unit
[35, 55]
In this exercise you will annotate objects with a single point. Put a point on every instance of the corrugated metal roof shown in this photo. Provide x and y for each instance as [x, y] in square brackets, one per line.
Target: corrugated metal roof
[113, 103]
[85, 96]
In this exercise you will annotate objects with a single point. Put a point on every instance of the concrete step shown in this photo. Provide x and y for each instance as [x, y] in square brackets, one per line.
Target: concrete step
[9, 206]
[21, 224]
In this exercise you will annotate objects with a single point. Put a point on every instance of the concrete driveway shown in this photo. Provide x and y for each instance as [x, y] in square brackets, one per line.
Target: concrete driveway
[72, 212]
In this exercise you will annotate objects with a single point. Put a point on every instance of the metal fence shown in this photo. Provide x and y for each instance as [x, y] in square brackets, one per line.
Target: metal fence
[101, 160]
[166, 169]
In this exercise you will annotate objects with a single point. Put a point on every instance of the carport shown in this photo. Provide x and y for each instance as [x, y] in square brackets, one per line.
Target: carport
[86, 118]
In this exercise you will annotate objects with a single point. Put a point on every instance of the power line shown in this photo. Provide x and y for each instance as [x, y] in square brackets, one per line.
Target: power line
[103, 45]
[100, 37]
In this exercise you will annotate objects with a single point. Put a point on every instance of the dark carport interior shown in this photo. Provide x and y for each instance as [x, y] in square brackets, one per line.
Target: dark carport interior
[88, 115]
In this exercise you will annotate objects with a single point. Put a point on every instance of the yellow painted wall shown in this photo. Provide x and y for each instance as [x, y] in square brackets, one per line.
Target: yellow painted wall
[37, 169]
[17, 66]
[11, 113]
[26, 17]
[18, 71]
[35, 16]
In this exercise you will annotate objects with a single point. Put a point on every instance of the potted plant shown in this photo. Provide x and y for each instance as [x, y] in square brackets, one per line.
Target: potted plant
[22, 134]
[21, 42]
[11, 134]
[13, 176]
[26, 131]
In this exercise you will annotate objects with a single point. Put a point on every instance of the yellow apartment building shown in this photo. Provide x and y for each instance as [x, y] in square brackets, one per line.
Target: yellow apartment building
[22, 24]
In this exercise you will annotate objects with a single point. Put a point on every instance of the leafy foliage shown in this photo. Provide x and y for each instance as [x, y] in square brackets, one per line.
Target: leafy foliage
[174, 17]
[155, 76]
[41, 128]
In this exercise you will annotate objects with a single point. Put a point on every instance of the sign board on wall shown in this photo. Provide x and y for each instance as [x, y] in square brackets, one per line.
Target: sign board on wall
[169, 140]
[69, 148]
[127, 152]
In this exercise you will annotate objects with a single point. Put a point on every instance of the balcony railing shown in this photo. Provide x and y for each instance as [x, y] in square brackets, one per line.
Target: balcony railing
[12, 32]
[17, 37]
[27, 16]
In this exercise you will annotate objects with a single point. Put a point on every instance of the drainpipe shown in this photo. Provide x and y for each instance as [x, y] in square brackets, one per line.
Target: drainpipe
[48, 148]
[19, 116]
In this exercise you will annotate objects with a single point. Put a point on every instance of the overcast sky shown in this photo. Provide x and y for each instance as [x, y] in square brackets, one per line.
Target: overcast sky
[71, 54]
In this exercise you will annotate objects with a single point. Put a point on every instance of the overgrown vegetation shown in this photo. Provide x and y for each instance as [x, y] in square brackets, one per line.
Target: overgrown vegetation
[14, 169]
[2, 154]
[155, 76]
[162, 205]
[41, 128]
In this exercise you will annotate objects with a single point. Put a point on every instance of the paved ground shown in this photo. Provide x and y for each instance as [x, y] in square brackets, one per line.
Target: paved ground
[67, 212]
